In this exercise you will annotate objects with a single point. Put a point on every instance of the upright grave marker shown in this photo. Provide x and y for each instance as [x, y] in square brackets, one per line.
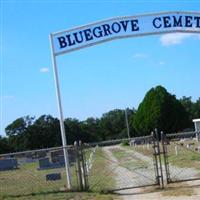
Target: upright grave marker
[197, 128]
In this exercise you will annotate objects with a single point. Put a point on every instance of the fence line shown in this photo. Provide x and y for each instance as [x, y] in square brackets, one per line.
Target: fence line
[42, 170]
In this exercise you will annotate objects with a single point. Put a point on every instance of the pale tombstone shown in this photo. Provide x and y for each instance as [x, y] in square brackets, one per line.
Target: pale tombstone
[197, 128]
[176, 150]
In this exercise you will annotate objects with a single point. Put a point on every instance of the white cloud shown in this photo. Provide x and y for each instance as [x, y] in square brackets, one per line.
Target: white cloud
[161, 63]
[8, 97]
[175, 38]
[140, 55]
[44, 70]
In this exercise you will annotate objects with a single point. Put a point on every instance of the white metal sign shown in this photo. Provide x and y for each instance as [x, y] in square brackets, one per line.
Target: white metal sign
[115, 28]
[121, 27]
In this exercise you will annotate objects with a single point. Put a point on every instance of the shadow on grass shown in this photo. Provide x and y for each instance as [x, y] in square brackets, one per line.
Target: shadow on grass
[40, 193]
[174, 189]
[70, 195]
[32, 194]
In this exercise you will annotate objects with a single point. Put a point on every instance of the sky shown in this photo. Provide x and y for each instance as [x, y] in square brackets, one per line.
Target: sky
[93, 80]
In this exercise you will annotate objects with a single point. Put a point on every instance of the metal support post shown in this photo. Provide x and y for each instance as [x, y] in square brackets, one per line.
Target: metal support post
[127, 125]
[155, 159]
[165, 156]
[62, 128]
[84, 173]
[78, 164]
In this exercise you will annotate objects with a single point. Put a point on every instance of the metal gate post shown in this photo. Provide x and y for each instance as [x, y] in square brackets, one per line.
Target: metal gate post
[159, 159]
[78, 164]
[157, 156]
[155, 159]
[165, 156]
[83, 166]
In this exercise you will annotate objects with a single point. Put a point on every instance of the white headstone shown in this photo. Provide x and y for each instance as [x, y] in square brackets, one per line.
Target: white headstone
[176, 150]
[197, 128]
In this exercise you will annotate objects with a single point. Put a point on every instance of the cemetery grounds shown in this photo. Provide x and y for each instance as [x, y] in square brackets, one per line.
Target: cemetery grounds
[110, 168]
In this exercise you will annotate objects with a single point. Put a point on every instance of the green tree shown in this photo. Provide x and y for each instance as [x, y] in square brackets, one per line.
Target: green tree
[131, 114]
[197, 109]
[26, 133]
[91, 129]
[16, 132]
[159, 109]
[4, 145]
[43, 133]
[113, 125]
[19, 126]
[73, 131]
[192, 108]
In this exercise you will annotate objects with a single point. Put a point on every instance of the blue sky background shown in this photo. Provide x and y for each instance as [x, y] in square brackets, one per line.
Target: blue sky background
[93, 80]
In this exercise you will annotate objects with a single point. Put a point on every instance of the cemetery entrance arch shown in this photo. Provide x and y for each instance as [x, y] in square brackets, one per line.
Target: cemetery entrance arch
[116, 28]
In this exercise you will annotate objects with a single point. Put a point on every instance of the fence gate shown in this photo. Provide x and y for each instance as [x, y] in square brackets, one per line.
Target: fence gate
[155, 160]
[181, 158]
[119, 167]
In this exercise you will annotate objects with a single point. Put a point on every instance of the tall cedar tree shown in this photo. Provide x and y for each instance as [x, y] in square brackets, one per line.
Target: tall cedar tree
[160, 109]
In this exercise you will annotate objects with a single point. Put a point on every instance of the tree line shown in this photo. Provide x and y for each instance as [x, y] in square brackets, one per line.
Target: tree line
[159, 109]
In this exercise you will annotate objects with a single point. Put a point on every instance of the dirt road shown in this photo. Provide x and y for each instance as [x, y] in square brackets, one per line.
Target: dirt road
[126, 178]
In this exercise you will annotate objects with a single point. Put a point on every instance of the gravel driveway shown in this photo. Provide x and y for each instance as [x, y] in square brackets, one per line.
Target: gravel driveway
[127, 178]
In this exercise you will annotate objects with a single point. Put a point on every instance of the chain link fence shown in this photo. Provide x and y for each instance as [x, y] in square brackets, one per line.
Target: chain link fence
[108, 166]
[183, 155]
[39, 171]
[118, 167]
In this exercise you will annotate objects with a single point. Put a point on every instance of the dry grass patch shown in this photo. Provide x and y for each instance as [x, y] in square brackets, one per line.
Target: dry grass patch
[101, 176]
[178, 189]
[172, 190]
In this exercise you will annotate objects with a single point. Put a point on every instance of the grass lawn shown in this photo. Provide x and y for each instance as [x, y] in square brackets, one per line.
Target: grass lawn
[128, 160]
[172, 191]
[101, 175]
[28, 180]
[144, 149]
[185, 158]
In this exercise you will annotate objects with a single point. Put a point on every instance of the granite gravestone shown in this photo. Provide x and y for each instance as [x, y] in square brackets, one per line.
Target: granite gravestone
[44, 163]
[8, 164]
[53, 177]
